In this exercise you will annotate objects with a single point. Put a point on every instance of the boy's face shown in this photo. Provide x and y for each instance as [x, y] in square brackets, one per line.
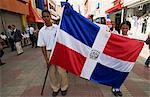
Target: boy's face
[46, 17]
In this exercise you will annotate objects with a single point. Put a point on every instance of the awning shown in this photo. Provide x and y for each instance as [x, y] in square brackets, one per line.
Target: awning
[133, 5]
[115, 8]
[33, 15]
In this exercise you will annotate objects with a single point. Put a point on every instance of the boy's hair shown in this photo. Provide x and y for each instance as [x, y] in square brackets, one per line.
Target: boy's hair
[45, 11]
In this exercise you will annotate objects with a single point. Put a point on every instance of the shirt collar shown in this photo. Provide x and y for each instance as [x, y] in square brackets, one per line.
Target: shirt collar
[45, 27]
[14, 30]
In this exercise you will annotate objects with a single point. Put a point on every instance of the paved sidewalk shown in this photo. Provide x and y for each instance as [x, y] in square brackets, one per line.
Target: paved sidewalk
[145, 52]
[23, 76]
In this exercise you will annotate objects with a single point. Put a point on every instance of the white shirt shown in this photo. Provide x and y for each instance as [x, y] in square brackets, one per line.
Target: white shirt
[140, 23]
[106, 28]
[46, 36]
[114, 31]
[9, 33]
[30, 30]
[3, 37]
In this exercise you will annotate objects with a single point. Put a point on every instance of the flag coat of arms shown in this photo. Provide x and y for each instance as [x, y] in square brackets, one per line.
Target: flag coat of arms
[90, 52]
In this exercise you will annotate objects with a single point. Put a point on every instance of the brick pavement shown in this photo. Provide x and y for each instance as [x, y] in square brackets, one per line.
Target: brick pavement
[22, 76]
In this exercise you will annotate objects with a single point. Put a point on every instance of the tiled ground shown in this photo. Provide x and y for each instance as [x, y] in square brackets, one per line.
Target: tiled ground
[23, 76]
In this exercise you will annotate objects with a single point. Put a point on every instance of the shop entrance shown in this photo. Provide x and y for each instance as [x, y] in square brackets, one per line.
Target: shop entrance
[118, 21]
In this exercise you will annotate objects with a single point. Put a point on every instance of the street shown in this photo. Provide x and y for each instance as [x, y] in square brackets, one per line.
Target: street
[23, 76]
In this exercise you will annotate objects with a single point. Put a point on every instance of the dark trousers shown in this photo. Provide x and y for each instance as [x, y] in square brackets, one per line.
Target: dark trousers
[35, 41]
[147, 62]
[1, 55]
[32, 40]
[11, 43]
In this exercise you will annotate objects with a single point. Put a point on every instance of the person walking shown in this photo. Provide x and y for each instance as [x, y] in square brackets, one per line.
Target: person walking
[113, 28]
[30, 31]
[147, 62]
[46, 39]
[1, 51]
[35, 35]
[10, 37]
[4, 38]
[125, 27]
[17, 39]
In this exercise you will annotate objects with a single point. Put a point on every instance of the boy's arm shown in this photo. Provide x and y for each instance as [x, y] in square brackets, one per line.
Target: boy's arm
[45, 55]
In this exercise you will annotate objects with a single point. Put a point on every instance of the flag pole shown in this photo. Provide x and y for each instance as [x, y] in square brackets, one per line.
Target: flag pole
[45, 80]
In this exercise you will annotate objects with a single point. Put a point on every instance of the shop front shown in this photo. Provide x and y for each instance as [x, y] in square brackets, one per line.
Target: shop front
[34, 18]
[138, 14]
[12, 12]
[116, 13]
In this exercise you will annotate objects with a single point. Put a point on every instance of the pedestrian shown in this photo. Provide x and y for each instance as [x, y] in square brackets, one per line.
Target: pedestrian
[1, 51]
[27, 38]
[23, 42]
[17, 39]
[35, 35]
[4, 38]
[30, 31]
[10, 37]
[147, 62]
[46, 39]
[113, 28]
[125, 27]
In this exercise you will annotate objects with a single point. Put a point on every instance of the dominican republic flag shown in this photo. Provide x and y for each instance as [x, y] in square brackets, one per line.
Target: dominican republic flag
[90, 52]
[39, 4]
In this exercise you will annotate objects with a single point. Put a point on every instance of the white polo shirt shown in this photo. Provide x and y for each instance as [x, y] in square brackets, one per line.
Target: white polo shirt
[30, 30]
[46, 36]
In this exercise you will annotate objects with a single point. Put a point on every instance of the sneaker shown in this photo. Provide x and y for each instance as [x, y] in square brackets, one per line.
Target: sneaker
[116, 93]
[64, 93]
[54, 94]
[19, 54]
[147, 66]
[119, 93]
[2, 64]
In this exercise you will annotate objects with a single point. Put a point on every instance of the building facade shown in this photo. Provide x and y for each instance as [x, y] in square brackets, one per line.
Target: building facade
[138, 13]
[116, 13]
[13, 12]
[52, 7]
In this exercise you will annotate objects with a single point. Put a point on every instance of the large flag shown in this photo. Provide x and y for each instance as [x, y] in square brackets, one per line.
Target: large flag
[40, 4]
[91, 52]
